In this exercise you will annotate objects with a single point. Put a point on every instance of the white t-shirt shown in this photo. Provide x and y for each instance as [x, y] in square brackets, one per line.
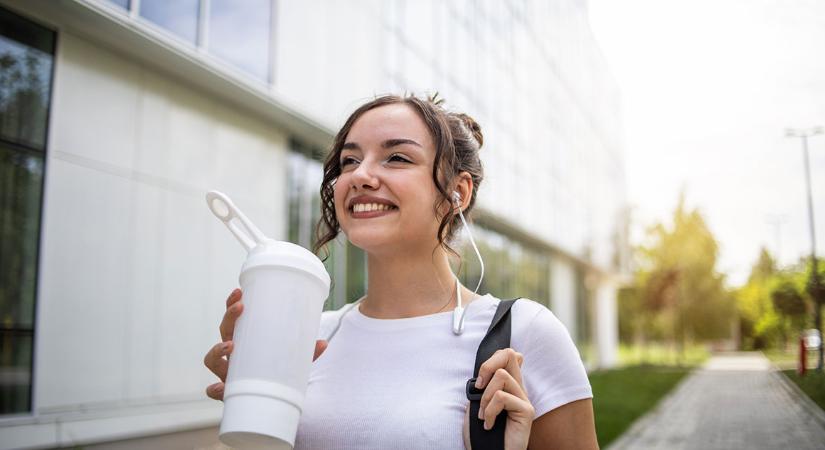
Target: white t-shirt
[399, 383]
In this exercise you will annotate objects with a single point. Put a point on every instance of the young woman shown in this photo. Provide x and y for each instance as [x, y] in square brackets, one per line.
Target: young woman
[393, 373]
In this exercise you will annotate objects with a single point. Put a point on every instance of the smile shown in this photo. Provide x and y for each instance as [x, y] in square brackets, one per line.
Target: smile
[368, 210]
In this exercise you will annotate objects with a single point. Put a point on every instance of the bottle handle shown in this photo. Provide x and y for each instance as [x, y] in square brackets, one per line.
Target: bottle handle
[223, 208]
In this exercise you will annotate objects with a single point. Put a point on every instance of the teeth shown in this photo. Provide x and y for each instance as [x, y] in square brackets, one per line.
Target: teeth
[367, 207]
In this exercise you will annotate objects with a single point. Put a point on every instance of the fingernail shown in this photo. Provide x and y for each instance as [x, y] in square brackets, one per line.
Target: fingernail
[487, 426]
[480, 414]
[225, 347]
[478, 383]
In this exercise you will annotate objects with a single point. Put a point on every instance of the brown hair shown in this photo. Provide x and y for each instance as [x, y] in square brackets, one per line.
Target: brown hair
[457, 138]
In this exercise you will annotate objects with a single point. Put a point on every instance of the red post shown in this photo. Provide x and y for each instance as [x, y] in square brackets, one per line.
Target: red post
[803, 358]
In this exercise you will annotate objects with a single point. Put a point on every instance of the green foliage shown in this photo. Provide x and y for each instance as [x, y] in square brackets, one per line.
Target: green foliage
[677, 294]
[787, 300]
[774, 305]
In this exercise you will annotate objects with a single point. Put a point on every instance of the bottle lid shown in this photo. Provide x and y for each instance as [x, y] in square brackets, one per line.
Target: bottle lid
[263, 251]
[272, 253]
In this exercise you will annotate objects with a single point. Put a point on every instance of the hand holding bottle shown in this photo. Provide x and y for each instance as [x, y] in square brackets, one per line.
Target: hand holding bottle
[217, 358]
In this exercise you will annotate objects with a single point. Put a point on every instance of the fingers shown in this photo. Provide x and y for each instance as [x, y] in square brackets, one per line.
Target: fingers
[320, 346]
[215, 361]
[234, 307]
[234, 296]
[506, 358]
[518, 409]
[502, 381]
[215, 391]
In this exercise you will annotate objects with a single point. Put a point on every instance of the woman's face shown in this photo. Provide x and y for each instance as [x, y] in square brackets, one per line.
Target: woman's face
[385, 194]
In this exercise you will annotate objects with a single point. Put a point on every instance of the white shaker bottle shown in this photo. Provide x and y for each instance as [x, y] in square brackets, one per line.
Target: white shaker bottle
[284, 289]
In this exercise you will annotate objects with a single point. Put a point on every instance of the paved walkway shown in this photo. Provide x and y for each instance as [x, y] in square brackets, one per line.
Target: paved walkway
[736, 401]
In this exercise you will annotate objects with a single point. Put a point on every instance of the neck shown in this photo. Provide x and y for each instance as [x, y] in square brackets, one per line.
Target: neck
[411, 284]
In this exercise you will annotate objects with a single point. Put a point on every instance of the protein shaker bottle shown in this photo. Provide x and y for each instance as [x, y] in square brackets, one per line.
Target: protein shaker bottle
[284, 289]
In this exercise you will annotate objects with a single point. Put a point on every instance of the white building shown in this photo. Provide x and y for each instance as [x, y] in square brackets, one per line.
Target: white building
[117, 116]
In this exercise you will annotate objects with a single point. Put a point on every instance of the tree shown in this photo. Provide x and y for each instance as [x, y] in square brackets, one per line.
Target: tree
[790, 304]
[677, 281]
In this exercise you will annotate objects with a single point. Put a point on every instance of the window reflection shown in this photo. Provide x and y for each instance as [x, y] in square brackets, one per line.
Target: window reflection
[346, 263]
[122, 3]
[25, 79]
[25, 74]
[21, 178]
[239, 32]
[511, 269]
[178, 16]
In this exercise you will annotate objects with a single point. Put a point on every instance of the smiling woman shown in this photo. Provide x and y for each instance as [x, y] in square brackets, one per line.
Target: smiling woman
[399, 176]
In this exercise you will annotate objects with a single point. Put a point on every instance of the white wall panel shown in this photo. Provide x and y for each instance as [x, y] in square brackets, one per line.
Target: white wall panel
[85, 287]
[135, 268]
[99, 103]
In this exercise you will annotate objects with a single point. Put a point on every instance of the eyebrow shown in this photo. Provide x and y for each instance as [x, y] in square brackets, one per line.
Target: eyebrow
[389, 143]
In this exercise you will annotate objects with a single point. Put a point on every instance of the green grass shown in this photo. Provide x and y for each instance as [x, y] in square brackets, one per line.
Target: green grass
[620, 396]
[662, 355]
[782, 358]
[813, 384]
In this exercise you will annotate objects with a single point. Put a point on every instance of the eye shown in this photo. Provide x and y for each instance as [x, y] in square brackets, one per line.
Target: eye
[347, 160]
[399, 158]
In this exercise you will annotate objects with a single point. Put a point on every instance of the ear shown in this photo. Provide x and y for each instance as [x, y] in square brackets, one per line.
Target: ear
[464, 186]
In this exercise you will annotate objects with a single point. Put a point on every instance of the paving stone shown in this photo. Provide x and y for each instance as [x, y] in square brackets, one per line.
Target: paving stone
[735, 401]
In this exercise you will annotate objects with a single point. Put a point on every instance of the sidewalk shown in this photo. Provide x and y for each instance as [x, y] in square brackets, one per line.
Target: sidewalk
[735, 401]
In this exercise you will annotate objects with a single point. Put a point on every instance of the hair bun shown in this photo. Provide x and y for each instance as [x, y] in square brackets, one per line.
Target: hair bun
[473, 127]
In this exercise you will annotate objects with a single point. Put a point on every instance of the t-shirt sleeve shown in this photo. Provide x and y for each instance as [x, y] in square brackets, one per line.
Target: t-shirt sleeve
[552, 371]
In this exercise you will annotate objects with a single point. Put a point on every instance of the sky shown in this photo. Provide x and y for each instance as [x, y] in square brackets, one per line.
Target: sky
[708, 90]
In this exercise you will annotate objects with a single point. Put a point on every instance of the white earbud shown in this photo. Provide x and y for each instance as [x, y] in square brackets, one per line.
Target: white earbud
[459, 311]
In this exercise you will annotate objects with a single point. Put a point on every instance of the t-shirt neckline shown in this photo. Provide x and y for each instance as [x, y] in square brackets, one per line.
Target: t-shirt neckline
[445, 317]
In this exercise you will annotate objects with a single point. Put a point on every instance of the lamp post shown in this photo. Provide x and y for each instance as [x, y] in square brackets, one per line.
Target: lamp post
[814, 284]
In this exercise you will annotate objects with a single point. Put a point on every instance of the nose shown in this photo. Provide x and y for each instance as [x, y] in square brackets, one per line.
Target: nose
[364, 176]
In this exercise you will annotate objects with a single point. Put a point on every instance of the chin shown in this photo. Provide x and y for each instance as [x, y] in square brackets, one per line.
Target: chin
[368, 240]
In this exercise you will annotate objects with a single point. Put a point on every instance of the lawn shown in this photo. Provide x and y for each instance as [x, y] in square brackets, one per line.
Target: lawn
[662, 355]
[620, 396]
[813, 384]
[783, 359]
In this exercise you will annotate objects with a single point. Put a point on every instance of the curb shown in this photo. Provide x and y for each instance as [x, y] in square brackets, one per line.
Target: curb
[803, 400]
[640, 424]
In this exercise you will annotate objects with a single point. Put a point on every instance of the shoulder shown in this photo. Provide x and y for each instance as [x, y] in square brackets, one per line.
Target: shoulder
[553, 371]
[531, 318]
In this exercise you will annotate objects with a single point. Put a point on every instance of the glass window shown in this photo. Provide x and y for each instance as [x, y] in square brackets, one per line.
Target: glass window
[25, 79]
[122, 3]
[584, 318]
[346, 263]
[239, 32]
[26, 56]
[511, 269]
[178, 16]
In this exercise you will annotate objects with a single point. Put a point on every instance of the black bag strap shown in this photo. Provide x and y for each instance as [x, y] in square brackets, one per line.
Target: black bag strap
[497, 337]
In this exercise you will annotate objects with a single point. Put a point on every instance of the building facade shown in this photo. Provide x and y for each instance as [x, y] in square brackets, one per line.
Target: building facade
[117, 116]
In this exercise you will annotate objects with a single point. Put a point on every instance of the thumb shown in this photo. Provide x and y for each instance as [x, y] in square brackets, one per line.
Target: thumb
[320, 346]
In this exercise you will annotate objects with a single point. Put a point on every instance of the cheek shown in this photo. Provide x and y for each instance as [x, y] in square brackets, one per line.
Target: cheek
[339, 195]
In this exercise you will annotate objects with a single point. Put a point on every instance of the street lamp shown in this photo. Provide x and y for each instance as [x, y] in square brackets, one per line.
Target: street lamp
[814, 285]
